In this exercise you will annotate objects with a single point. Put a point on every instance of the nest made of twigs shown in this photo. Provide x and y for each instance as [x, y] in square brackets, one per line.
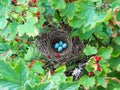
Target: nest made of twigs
[46, 45]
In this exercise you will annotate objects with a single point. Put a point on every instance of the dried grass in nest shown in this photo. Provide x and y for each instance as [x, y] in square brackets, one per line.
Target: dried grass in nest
[46, 46]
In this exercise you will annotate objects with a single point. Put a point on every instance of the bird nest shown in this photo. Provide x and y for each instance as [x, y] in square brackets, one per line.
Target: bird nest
[46, 41]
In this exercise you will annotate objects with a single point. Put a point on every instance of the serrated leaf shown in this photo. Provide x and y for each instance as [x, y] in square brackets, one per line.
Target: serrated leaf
[115, 3]
[68, 86]
[13, 79]
[88, 68]
[101, 81]
[6, 71]
[90, 50]
[76, 23]
[105, 52]
[118, 68]
[108, 15]
[116, 51]
[41, 86]
[56, 79]
[21, 73]
[87, 81]
[60, 69]
[68, 11]
[10, 31]
[114, 62]
[21, 1]
[29, 54]
[28, 29]
[113, 84]
[3, 22]
[37, 68]
[117, 40]
[8, 85]
[58, 4]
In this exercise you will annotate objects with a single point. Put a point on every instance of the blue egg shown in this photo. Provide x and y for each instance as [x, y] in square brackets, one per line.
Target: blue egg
[56, 46]
[60, 43]
[64, 45]
[60, 49]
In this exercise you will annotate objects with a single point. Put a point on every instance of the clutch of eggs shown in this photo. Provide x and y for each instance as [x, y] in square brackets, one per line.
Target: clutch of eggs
[60, 46]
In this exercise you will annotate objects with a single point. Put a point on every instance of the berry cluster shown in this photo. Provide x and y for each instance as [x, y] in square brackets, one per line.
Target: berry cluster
[38, 15]
[19, 40]
[60, 46]
[56, 55]
[97, 65]
[97, 59]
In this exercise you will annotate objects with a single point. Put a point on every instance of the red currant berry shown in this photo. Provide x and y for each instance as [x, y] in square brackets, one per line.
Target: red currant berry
[97, 58]
[97, 65]
[52, 72]
[13, 1]
[28, 43]
[57, 55]
[48, 56]
[37, 13]
[38, 17]
[44, 35]
[43, 25]
[16, 39]
[90, 74]
[34, 1]
[21, 40]
[99, 68]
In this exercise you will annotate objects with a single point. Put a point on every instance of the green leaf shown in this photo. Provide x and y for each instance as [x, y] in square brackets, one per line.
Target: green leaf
[21, 73]
[3, 22]
[5, 53]
[29, 54]
[9, 33]
[41, 86]
[118, 16]
[108, 15]
[117, 40]
[58, 4]
[61, 69]
[56, 79]
[101, 81]
[87, 81]
[6, 71]
[37, 68]
[114, 62]
[113, 84]
[116, 51]
[68, 11]
[13, 79]
[3, 47]
[8, 85]
[115, 3]
[29, 27]
[90, 50]
[118, 68]
[76, 23]
[105, 66]
[89, 68]
[21, 1]
[105, 52]
[68, 86]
